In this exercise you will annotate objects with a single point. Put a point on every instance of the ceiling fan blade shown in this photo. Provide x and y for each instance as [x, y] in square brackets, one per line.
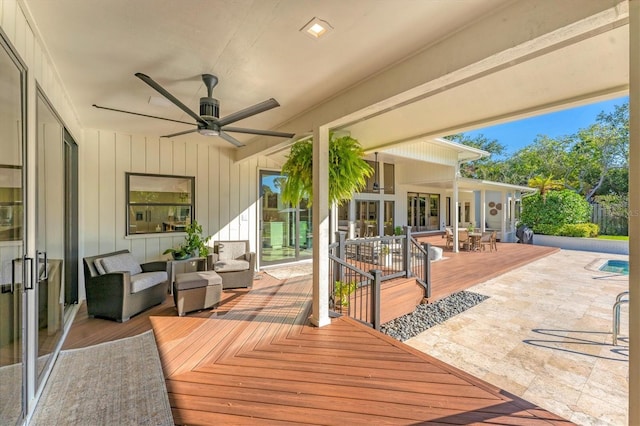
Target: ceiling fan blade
[259, 132]
[141, 115]
[169, 96]
[248, 112]
[230, 139]
[180, 133]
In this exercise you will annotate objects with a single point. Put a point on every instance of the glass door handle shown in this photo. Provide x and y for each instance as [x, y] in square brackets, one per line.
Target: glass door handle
[42, 255]
[28, 284]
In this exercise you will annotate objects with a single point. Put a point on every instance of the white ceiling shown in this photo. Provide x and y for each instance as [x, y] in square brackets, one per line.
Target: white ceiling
[257, 51]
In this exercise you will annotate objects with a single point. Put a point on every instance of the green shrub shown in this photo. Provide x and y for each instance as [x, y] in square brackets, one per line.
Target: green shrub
[585, 230]
[556, 209]
[546, 229]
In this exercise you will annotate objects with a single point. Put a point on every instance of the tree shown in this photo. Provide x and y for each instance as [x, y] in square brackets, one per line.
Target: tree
[348, 171]
[544, 185]
[591, 161]
[486, 168]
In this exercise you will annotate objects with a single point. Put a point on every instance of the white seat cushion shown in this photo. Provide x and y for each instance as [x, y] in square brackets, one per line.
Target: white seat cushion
[231, 265]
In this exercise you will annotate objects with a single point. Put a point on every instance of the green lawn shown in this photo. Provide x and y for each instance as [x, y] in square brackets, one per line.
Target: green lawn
[613, 237]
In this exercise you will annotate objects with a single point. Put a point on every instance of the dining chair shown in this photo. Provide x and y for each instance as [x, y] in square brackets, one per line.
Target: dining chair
[463, 239]
[448, 233]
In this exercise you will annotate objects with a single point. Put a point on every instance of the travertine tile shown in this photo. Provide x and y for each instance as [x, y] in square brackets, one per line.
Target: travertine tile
[545, 335]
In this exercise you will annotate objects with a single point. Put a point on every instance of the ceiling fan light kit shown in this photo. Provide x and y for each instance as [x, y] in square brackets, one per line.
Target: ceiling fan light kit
[209, 123]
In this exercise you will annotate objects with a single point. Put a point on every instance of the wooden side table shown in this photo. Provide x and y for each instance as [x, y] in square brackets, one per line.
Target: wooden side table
[176, 267]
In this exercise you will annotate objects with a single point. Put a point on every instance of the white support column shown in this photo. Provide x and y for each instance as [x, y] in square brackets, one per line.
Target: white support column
[456, 202]
[634, 212]
[503, 217]
[483, 210]
[512, 212]
[320, 209]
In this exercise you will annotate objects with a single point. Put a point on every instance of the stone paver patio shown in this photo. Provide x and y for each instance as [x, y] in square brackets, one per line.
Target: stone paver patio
[545, 335]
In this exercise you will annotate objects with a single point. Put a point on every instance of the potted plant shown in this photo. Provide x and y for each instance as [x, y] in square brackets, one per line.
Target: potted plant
[195, 243]
[342, 291]
[385, 255]
[348, 171]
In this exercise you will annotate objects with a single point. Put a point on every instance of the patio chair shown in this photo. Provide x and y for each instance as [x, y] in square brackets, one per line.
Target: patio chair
[487, 239]
[118, 287]
[448, 234]
[463, 239]
[234, 262]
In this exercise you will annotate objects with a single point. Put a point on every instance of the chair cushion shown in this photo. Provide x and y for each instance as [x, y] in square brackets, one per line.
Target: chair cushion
[231, 250]
[146, 280]
[98, 265]
[121, 262]
[231, 265]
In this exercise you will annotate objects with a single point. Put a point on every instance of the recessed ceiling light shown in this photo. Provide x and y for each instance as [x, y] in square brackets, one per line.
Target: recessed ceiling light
[316, 28]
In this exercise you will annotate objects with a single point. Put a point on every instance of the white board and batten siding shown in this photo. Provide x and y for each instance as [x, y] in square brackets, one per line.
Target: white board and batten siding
[226, 192]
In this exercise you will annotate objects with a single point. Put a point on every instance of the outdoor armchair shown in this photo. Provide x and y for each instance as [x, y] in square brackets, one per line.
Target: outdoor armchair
[234, 262]
[118, 287]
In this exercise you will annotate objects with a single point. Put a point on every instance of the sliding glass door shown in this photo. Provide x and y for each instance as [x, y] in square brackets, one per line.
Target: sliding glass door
[423, 211]
[285, 230]
[12, 237]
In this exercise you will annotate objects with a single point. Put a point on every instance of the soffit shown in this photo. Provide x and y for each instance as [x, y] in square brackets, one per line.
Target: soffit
[253, 46]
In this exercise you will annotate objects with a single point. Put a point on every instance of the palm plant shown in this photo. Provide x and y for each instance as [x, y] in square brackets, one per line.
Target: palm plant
[545, 184]
[348, 171]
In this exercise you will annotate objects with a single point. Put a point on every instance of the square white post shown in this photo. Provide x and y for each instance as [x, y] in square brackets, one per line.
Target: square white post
[320, 209]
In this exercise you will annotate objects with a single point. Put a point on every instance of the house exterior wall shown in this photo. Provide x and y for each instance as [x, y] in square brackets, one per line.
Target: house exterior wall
[108, 155]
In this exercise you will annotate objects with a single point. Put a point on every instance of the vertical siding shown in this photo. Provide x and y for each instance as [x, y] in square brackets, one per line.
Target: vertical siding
[226, 192]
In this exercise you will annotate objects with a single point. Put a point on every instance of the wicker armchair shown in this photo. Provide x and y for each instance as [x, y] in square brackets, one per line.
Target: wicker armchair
[117, 287]
[234, 262]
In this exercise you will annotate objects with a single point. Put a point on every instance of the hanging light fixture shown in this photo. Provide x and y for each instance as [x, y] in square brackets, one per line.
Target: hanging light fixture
[376, 184]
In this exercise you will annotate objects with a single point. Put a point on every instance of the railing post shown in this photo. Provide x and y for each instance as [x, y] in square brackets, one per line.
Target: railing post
[375, 298]
[338, 272]
[427, 270]
[406, 251]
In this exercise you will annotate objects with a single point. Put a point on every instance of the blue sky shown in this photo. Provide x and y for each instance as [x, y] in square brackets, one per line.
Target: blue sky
[518, 134]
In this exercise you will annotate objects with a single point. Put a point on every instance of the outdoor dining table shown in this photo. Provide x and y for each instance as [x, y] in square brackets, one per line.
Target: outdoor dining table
[474, 240]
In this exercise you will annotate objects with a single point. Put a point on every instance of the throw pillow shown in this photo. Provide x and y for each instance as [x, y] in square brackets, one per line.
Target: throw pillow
[121, 262]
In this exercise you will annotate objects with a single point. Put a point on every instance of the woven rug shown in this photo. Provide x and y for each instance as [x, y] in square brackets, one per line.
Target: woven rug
[291, 271]
[114, 383]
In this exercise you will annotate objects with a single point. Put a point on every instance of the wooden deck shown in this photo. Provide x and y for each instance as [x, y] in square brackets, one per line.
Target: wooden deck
[261, 363]
[459, 271]
[256, 360]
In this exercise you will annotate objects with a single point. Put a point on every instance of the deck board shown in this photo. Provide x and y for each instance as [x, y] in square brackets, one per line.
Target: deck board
[256, 360]
[278, 368]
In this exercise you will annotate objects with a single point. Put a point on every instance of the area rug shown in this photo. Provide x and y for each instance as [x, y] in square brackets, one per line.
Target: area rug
[10, 389]
[291, 271]
[114, 383]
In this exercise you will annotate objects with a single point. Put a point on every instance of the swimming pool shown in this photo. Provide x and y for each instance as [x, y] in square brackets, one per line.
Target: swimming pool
[616, 266]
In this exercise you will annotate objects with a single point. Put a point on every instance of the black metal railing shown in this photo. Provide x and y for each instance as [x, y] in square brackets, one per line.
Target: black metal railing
[358, 267]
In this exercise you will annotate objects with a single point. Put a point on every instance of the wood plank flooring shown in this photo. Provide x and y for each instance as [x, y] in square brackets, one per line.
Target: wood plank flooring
[459, 271]
[256, 360]
[262, 363]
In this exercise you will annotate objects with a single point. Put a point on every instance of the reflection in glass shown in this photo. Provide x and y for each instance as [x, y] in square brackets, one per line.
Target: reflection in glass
[11, 235]
[286, 231]
[159, 203]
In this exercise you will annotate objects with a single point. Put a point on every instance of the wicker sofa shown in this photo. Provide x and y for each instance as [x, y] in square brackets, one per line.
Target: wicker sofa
[118, 287]
[234, 262]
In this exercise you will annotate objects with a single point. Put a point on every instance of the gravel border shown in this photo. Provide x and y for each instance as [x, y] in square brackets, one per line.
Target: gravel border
[426, 316]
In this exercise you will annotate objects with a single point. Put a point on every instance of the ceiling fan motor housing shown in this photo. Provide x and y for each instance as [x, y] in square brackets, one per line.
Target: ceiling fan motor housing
[209, 108]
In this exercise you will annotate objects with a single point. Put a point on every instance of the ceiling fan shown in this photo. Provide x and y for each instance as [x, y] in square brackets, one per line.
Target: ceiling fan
[209, 122]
